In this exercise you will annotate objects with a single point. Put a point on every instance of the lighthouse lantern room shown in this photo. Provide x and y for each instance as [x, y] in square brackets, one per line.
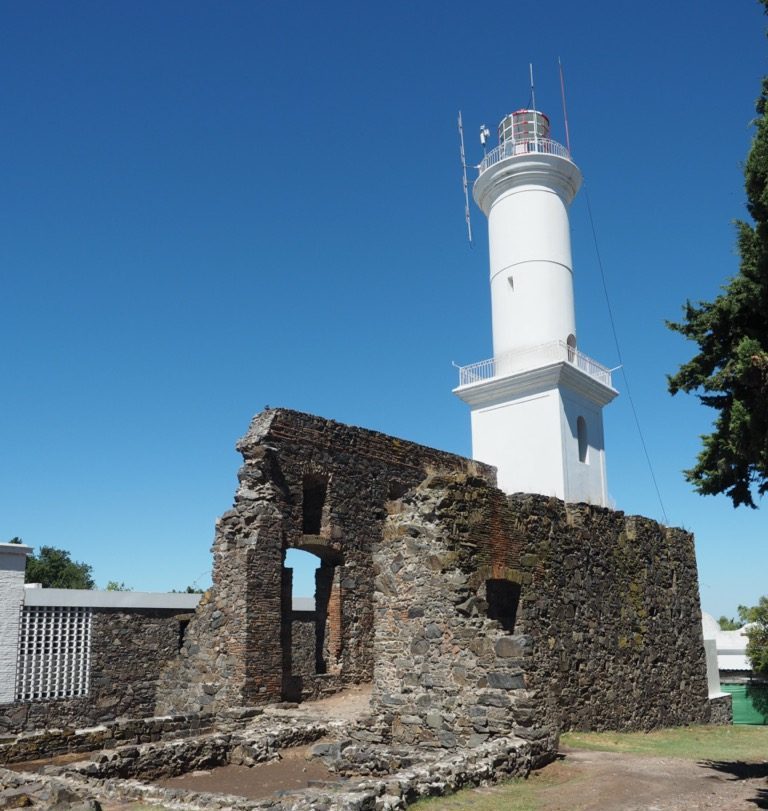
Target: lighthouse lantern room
[536, 405]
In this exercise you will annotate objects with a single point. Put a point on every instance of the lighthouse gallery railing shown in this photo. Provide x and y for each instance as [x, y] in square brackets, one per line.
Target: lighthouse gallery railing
[508, 149]
[521, 360]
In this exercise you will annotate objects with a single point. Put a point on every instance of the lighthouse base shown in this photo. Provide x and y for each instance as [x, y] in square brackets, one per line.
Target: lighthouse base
[542, 429]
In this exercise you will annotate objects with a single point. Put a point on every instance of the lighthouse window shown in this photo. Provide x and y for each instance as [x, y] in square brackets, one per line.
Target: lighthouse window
[511, 283]
[581, 434]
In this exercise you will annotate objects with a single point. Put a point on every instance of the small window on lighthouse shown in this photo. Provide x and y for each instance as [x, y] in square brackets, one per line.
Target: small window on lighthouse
[511, 283]
[581, 435]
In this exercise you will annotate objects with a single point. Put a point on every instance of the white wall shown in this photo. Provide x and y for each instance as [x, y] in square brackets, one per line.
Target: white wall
[584, 481]
[529, 241]
[520, 438]
[13, 559]
[713, 674]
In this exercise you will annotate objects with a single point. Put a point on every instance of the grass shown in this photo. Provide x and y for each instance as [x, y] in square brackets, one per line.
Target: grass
[514, 795]
[747, 743]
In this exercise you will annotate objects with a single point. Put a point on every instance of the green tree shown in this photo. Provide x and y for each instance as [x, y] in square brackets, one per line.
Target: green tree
[113, 585]
[757, 635]
[730, 371]
[729, 624]
[54, 568]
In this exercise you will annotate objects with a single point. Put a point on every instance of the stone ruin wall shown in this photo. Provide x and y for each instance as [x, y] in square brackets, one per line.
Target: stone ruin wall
[611, 608]
[474, 614]
[311, 484]
[603, 629]
[129, 648]
[450, 663]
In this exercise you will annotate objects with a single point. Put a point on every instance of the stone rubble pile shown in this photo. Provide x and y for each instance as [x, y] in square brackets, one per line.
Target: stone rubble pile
[376, 776]
[24, 790]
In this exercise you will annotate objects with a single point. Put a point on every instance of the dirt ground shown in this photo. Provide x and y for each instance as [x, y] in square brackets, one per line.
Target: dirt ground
[292, 772]
[347, 705]
[579, 780]
[607, 781]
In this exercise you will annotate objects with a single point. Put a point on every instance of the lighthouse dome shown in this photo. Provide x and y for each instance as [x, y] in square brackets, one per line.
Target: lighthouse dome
[523, 125]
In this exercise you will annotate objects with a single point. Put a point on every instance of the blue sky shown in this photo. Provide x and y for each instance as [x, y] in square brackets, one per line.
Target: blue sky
[211, 207]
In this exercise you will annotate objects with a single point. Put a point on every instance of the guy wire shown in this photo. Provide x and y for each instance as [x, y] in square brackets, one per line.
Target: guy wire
[618, 353]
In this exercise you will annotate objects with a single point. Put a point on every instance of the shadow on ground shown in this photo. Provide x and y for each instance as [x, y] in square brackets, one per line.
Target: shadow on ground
[740, 770]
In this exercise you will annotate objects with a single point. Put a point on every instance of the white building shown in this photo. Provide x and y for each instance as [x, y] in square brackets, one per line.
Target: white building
[536, 405]
[730, 649]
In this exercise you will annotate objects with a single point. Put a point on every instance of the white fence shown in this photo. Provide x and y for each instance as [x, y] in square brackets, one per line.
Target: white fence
[524, 359]
[508, 149]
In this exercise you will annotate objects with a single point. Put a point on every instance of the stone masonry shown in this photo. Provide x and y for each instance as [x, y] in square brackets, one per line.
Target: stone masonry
[309, 484]
[474, 614]
[611, 608]
[449, 662]
[527, 616]
[128, 651]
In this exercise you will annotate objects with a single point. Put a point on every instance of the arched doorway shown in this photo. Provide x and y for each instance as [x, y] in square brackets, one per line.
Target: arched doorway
[312, 617]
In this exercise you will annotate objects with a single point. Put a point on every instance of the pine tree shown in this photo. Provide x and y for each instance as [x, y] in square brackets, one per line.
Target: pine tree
[730, 371]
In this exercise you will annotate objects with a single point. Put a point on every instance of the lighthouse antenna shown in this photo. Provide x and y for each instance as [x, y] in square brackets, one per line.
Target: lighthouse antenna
[533, 105]
[565, 110]
[464, 180]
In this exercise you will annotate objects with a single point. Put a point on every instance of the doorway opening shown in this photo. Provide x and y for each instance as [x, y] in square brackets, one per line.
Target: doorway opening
[311, 629]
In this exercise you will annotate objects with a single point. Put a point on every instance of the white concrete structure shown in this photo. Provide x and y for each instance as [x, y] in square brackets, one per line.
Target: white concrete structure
[91, 598]
[13, 561]
[730, 646]
[537, 405]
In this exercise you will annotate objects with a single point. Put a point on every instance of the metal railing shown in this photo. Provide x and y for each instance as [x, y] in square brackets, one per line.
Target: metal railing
[508, 149]
[524, 359]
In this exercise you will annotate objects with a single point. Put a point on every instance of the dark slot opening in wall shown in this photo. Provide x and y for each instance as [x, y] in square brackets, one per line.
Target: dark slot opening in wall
[503, 597]
[314, 500]
[183, 624]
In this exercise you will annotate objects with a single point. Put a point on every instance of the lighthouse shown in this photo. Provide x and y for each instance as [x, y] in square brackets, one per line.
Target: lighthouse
[537, 404]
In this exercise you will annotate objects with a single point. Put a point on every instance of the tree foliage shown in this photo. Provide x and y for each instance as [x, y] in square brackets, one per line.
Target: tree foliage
[727, 624]
[757, 635]
[113, 585]
[55, 569]
[730, 371]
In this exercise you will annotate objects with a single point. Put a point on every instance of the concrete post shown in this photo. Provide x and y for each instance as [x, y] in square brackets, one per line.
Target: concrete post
[13, 560]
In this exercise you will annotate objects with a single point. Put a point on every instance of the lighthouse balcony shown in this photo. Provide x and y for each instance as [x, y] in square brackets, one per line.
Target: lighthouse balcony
[510, 148]
[523, 360]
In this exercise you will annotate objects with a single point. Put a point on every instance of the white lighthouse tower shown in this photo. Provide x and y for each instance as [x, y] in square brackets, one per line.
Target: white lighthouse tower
[537, 404]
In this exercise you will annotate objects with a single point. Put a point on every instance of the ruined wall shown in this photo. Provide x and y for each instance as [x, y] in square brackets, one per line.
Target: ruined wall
[492, 615]
[129, 648]
[310, 484]
[606, 635]
[449, 663]
[303, 641]
[475, 615]
[612, 610]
